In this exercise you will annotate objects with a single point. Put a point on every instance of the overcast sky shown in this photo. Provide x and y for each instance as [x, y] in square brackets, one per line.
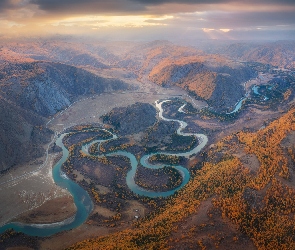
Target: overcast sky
[151, 19]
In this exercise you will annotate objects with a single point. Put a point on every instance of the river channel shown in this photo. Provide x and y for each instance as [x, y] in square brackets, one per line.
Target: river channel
[82, 199]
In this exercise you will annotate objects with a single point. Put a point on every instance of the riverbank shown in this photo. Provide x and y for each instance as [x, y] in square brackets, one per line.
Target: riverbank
[63, 208]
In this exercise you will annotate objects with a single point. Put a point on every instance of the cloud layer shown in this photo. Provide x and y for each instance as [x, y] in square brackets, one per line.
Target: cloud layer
[205, 17]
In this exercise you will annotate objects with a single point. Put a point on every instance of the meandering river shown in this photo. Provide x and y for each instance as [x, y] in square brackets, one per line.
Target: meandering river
[81, 197]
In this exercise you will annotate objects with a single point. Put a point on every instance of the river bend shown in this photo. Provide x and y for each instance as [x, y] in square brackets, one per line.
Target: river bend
[82, 199]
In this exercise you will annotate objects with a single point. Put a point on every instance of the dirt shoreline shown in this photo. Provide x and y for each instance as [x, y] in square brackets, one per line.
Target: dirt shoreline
[63, 208]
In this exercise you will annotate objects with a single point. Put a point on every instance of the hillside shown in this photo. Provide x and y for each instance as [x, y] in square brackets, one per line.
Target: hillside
[280, 54]
[46, 88]
[22, 135]
[208, 77]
